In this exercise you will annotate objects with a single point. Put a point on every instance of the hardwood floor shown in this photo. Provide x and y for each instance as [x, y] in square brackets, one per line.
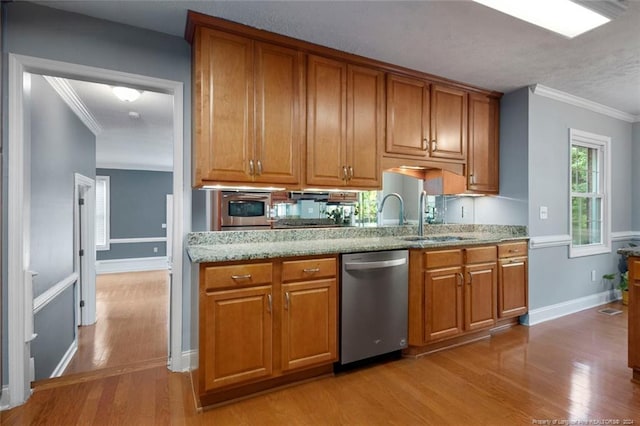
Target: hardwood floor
[132, 321]
[573, 368]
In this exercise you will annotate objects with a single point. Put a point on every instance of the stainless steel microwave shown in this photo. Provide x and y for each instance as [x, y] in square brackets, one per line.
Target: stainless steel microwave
[241, 210]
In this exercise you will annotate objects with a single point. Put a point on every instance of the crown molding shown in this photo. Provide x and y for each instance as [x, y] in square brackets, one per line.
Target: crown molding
[548, 92]
[71, 98]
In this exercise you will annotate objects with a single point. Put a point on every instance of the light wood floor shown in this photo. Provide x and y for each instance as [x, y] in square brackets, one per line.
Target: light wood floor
[570, 368]
[131, 326]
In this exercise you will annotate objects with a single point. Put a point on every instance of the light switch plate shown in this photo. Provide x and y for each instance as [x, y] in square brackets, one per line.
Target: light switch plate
[544, 212]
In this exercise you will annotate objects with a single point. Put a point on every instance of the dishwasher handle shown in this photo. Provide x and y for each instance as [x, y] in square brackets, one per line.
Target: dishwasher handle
[355, 266]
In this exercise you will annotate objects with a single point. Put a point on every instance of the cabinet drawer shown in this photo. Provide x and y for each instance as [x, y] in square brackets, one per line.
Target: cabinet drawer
[238, 275]
[512, 249]
[635, 270]
[310, 269]
[442, 258]
[480, 254]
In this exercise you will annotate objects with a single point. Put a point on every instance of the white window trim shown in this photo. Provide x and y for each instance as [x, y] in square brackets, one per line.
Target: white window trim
[603, 143]
[107, 206]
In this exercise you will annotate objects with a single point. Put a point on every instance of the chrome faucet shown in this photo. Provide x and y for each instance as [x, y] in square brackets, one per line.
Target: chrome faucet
[423, 195]
[399, 197]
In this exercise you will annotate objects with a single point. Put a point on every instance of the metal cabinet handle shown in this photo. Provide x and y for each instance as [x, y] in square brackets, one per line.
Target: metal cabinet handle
[287, 300]
[461, 280]
[259, 167]
[269, 302]
[513, 250]
[424, 145]
[350, 173]
[470, 278]
[344, 173]
[472, 179]
[251, 168]
[434, 146]
[241, 277]
[311, 270]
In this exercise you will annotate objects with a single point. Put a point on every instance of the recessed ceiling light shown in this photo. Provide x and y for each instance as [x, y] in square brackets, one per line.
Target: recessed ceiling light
[126, 94]
[561, 16]
[134, 115]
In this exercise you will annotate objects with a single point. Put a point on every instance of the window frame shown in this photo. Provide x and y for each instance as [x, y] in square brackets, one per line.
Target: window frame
[603, 145]
[107, 214]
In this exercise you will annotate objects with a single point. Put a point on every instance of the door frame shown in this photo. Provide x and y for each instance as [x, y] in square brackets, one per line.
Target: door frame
[83, 238]
[20, 304]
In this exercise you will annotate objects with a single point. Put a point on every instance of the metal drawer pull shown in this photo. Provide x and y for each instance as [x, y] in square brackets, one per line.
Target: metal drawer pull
[461, 281]
[513, 250]
[287, 300]
[435, 145]
[241, 277]
[350, 172]
[424, 144]
[269, 302]
[259, 168]
[344, 173]
[311, 270]
[354, 266]
[251, 167]
[470, 277]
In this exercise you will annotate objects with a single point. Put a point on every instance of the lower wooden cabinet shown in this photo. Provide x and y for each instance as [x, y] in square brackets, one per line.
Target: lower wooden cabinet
[634, 316]
[513, 290]
[263, 320]
[443, 302]
[480, 296]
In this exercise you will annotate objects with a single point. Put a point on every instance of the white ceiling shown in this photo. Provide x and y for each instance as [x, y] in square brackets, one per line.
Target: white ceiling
[457, 39]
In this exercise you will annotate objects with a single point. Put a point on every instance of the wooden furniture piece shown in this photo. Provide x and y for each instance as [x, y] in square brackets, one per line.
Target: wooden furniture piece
[264, 324]
[483, 153]
[256, 93]
[462, 294]
[513, 290]
[634, 316]
[345, 124]
[248, 110]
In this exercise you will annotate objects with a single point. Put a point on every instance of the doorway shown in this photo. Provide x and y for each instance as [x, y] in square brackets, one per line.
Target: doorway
[20, 300]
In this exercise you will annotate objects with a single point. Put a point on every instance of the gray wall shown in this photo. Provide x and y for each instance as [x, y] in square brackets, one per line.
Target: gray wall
[553, 276]
[635, 186]
[34, 30]
[60, 146]
[138, 200]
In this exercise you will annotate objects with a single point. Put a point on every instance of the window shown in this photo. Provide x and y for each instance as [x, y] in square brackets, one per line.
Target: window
[102, 213]
[590, 188]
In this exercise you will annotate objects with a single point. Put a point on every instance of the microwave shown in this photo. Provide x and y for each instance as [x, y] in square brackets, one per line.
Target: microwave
[241, 210]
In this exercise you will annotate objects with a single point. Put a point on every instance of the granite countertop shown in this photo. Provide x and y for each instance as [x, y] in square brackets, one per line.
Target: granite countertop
[246, 245]
[630, 251]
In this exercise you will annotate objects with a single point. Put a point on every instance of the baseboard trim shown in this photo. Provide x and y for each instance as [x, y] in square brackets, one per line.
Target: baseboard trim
[547, 313]
[4, 399]
[139, 264]
[66, 359]
[189, 360]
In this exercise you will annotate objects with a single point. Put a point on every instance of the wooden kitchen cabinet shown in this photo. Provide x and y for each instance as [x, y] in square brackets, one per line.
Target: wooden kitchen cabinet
[264, 324]
[443, 302]
[448, 123]
[344, 124]
[237, 336]
[634, 316]
[483, 152]
[480, 293]
[248, 110]
[513, 291]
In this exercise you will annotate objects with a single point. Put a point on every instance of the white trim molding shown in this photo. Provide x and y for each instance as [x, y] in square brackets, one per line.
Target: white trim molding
[189, 360]
[138, 264]
[548, 92]
[47, 297]
[625, 235]
[66, 359]
[4, 399]
[133, 166]
[71, 98]
[547, 313]
[545, 241]
[138, 240]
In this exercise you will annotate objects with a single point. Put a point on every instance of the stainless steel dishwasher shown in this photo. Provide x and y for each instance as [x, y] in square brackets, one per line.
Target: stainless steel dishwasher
[374, 299]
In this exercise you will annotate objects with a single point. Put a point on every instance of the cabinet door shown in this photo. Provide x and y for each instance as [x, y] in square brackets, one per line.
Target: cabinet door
[407, 116]
[443, 303]
[236, 336]
[512, 287]
[634, 316]
[309, 323]
[223, 107]
[279, 114]
[448, 123]
[483, 155]
[326, 122]
[480, 296]
[365, 121]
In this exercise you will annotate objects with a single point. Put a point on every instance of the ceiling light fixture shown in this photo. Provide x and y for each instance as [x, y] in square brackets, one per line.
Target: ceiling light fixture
[561, 16]
[126, 94]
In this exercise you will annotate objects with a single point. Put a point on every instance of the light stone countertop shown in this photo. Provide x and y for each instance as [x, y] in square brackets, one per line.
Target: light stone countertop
[630, 251]
[247, 245]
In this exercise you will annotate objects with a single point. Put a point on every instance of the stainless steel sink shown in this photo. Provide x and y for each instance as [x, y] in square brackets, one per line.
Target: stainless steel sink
[435, 238]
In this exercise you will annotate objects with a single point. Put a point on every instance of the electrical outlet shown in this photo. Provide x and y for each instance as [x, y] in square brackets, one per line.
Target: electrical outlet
[155, 249]
[544, 212]
[593, 275]
[163, 226]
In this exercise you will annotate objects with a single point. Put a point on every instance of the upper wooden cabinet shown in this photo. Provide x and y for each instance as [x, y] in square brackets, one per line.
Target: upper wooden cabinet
[248, 110]
[483, 156]
[426, 121]
[345, 113]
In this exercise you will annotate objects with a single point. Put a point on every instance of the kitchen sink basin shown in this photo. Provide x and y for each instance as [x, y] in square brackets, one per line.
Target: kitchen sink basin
[435, 238]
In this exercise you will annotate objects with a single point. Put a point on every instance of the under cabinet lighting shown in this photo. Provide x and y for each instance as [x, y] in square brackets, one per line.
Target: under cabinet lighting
[126, 94]
[561, 16]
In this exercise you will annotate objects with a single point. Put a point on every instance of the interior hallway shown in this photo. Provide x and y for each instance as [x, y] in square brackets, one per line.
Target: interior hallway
[574, 367]
[132, 322]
